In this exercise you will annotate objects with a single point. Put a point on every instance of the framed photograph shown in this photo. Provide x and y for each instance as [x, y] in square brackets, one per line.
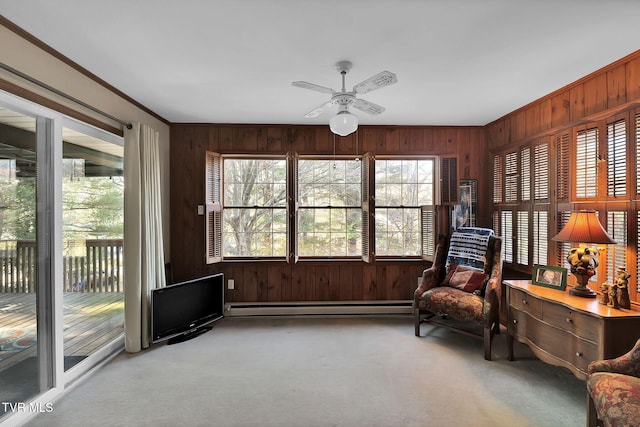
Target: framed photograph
[550, 276]
[464, 213]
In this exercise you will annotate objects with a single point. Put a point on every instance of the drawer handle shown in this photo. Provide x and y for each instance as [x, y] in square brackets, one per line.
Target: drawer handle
[515, 321]
[578, 354]
[525, 302]
[568, 320]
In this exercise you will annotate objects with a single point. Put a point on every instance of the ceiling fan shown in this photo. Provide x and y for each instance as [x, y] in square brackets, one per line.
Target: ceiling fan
[344, 122]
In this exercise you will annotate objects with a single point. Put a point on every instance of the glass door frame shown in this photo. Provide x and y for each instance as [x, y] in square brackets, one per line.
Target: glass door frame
[50, 309]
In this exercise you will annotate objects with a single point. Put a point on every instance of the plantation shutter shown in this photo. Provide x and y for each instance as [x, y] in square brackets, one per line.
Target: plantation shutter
[367, 209]
[617, 158]
[587, 163]
[541, 172]
[507, 235]
[511, 177]
[522, 238]
[616, 254]
[637, 252]
[525, 174]
[540, 237]
[497, 178]
[563, 247]
[292, 207]
[449, 191]
[428, 231]
[213, 208]
[638, 161]
[562, 164]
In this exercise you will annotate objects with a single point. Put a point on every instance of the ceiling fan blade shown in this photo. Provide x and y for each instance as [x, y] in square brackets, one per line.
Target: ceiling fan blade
[385, 78]
[311, 86]
[318, 110]
[368, 107]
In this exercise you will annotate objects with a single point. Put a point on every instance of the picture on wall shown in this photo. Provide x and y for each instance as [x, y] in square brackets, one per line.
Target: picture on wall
[464, 213]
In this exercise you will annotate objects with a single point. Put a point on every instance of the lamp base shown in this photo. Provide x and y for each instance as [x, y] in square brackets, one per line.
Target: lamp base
[583, 291]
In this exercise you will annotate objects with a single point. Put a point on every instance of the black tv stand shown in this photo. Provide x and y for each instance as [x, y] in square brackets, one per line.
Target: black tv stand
[189, 335]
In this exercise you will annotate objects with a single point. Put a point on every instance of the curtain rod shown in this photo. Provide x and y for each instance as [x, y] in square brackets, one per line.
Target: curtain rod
[64, 95]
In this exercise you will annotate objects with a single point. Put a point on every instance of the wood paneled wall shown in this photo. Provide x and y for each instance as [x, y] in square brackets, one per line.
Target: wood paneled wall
[613, 88]
[271, 281]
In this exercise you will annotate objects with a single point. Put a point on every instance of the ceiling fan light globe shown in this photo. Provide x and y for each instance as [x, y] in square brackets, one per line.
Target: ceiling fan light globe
[343, 123]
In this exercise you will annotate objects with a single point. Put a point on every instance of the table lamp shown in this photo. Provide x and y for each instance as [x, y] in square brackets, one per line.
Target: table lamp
[583, 228]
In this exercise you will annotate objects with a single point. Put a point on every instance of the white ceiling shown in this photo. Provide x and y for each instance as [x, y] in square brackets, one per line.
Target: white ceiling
[458, 62]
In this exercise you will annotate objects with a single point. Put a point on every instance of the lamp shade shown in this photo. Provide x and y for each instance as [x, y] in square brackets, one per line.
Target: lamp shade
[343, 123]
[584, 227]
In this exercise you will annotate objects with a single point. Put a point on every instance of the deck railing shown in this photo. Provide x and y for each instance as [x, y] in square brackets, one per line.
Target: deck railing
[96, 267]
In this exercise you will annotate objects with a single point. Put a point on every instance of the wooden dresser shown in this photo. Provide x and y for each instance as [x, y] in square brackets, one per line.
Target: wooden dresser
[565, 330]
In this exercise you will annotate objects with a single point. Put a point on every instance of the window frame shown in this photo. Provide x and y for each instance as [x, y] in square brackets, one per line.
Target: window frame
[214, 210]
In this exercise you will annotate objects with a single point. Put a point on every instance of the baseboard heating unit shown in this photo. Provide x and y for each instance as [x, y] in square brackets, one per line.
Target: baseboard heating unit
[323, 308]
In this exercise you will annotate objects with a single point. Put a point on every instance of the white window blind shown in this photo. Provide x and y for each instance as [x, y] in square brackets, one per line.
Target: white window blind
[507, 236]
[616, 158]
[638, 155]
[563, 248]
[511, 177]
[541, 172]
[525, 174]
[616, 254]
[562, 166]
[540, 237]
[497, 178]
[587, 163]
[523, 237]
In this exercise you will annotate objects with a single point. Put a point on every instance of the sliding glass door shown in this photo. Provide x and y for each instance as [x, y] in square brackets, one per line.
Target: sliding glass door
[61, 260]
[20, 295]
[92, 232]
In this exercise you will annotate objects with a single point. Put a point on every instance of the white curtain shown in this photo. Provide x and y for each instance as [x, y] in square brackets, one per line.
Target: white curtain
[143, 247]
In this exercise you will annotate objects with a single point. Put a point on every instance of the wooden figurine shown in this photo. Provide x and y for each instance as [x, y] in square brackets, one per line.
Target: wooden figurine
[604, 289]
[613, 296]
[622, 283]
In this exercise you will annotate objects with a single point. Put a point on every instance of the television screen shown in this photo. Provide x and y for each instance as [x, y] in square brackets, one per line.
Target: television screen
[182, 311]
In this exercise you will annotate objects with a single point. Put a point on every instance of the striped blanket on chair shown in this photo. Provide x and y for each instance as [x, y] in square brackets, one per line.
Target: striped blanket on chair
[468, 247]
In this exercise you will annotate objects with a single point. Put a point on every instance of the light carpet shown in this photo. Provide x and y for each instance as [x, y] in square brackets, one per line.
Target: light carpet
[351, 371]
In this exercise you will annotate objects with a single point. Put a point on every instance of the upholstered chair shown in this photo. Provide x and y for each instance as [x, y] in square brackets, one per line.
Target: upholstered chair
[464, 283]
[613, 387]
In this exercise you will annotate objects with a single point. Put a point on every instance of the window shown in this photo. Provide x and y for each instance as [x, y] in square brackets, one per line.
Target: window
[255, 211]
[541, 175]
[616, 254]
[616, 159]
[587, 163]
[511, 177]
[507, 236]
[523, 238]
[525, 174]
[540, 237]
[329, 208]
[497, 179]
[309, 207]
[562, 167]
[401, 188]
[562, 248]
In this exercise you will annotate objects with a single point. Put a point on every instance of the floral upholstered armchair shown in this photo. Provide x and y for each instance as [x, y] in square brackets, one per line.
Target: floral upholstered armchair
[464, 283]
[613, 386]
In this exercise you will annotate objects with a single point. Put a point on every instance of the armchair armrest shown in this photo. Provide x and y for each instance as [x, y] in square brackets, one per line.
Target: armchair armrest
[429, 280]
[627, 364]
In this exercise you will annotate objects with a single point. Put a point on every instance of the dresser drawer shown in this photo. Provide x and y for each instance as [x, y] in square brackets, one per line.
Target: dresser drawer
[525, 302]
[578, 323]
[567, 347]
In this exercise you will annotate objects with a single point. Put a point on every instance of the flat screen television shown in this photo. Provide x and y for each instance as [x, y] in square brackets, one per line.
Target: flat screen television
[184, 310]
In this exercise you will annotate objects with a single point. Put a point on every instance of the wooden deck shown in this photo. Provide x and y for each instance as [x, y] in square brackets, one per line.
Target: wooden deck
[90, 320]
